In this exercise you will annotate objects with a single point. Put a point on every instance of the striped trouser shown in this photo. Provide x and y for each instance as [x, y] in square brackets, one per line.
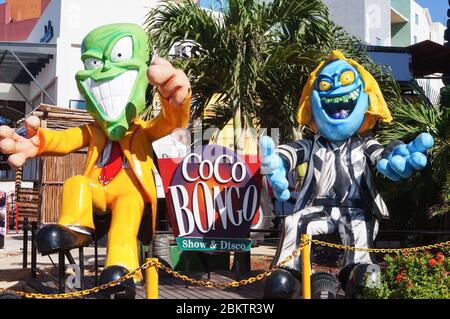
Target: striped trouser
[356, 228]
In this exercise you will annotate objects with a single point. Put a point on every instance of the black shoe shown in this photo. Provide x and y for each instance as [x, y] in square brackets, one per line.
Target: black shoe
[53, 238]
[323, 286]
[124, 290]
[282, 284]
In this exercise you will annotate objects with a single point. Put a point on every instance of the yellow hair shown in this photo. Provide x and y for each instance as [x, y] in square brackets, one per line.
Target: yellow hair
[377, 110]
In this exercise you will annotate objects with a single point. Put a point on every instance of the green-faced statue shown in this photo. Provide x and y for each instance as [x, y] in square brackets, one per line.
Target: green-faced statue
[114, 80]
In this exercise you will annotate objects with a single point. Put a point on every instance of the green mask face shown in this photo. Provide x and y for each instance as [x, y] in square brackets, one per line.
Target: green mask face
[114, 81]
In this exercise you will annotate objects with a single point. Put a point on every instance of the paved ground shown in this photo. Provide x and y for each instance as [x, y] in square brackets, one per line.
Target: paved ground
[11, 260]
[12, 275]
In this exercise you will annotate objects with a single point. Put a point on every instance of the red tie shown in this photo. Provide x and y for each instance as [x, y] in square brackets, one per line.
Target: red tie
[114, 165]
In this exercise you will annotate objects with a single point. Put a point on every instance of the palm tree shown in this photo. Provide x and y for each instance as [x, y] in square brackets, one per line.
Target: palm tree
[242, 52]
[254, 58]
[251, 63]
[428, 191]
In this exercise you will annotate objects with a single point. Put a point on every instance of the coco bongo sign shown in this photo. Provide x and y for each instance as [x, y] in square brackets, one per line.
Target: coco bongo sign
[212, 197]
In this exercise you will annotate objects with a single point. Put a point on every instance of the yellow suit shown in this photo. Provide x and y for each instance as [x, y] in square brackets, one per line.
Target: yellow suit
[127, 193]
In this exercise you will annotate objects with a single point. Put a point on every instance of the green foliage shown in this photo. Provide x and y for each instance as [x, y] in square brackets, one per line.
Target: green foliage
[445, 96]
[256, 56]
[429, 190]
[414, 276]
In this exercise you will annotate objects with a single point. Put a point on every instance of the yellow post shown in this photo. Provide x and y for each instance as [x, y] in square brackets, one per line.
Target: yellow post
[306, 268]
[151, 281]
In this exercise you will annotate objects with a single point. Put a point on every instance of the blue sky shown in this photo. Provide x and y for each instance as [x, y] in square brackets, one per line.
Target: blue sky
[438, 9]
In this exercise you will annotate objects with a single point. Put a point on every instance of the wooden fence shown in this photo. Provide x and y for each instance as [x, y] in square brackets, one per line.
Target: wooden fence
[55, 170]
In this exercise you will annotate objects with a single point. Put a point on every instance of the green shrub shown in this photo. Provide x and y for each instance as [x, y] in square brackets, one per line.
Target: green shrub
[445, 96]
[414, 276]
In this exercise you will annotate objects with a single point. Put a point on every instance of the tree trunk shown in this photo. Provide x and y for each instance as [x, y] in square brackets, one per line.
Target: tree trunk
[239, 141]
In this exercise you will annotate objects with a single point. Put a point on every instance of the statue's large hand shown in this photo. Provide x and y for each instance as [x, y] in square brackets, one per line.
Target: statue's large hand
[18, 147]
[272, 165]
[406, 159]
[173, 84]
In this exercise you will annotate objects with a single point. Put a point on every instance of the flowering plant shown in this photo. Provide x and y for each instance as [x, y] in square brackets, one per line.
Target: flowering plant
[421, 275]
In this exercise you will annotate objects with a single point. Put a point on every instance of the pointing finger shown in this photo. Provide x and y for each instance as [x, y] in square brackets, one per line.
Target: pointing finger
[401, 150]
[159, 74]
[401, 166]
[6, 132]
[421, 144]
[418, 161]
[177, 81]
[16, 160]
[179, 97]
[32, 124]
[161, 62]
[384, 167]
[7, 146]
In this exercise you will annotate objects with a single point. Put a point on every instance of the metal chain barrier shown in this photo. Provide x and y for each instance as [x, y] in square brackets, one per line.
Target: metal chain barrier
[214, 284]
[380, 250]
[130, 275]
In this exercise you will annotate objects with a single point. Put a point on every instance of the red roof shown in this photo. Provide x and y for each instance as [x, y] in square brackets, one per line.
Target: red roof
[21, 30]
[17, 31]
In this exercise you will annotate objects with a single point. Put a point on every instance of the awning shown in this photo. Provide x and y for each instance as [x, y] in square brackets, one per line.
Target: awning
[396, 59]
[429, 57]
[426, 58]
[20, 61]
[397, 17]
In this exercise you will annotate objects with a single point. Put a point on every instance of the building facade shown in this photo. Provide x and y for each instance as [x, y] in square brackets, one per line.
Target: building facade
[416, 25]
[399, 23]
[369, 20]
[396, 23]
[60, 25]
[27, 21]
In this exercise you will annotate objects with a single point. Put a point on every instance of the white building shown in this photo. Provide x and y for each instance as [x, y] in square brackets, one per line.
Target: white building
[71, 20]
[422, 26]
[55, 63]
[369, 20]
[397, 23]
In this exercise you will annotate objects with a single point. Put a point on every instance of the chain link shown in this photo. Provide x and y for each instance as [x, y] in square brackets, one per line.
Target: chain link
[233, 284]
[214, 284]
[381, 250]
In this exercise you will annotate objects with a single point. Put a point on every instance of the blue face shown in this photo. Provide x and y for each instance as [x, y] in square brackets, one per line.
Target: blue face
[339, 103]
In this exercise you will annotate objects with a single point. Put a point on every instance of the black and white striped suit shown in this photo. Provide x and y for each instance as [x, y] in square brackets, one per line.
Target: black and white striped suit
[318, 209]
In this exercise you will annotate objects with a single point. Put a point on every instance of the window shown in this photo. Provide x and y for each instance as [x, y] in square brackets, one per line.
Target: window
[417, 19]
[215, 5]
[415, 39]
[77, 104]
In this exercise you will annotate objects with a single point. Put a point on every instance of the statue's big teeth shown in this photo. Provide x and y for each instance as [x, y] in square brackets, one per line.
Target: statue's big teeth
[113, 95]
